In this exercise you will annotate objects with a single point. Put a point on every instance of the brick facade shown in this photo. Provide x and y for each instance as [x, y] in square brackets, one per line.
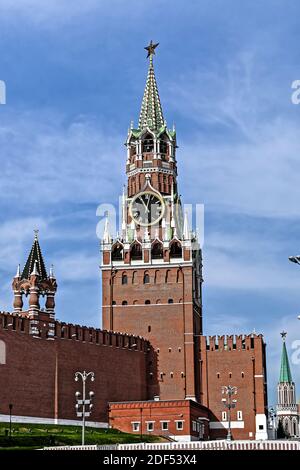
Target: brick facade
[183, 419]
[37, 372]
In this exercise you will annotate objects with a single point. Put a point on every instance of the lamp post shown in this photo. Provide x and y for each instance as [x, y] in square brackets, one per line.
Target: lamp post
[296, 260]
[272, 415]
[229, 403]
[10, 406]
[83, 402]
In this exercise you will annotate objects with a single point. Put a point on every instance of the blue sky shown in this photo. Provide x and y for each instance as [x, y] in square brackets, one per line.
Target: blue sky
[75, 74]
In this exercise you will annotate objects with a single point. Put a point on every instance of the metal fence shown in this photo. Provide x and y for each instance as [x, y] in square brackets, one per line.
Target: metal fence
[196, 445]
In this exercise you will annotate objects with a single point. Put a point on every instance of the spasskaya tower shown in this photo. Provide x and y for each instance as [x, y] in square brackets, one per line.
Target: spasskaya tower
[152, 270]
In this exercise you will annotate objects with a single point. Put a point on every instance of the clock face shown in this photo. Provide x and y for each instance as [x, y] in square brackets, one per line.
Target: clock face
[147, 208]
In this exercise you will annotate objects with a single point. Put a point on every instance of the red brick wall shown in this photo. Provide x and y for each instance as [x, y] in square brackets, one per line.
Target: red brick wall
[38, 377]
[243, 367]
[170, 327]
[122, 415]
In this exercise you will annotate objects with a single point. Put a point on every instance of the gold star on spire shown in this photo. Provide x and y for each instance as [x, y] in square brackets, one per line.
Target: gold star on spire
[283, 335]
[151, 48]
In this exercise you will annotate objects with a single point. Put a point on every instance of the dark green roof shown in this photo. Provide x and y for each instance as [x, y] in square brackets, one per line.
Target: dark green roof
[35, 255]
[151, 114]
[285, 371]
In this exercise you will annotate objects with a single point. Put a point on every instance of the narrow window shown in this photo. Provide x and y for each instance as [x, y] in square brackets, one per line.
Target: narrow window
[149, 328]
[239, 416]
[150, 426]
[146, 278]
[136, 426]
[224, 416]
[124, 279]
[164, 425]
[179, 425]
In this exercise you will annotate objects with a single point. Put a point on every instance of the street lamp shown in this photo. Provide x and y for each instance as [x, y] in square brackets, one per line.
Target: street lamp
[229, 403]
[82, 403]
[295, 259]
[272, 415]
[10, 406]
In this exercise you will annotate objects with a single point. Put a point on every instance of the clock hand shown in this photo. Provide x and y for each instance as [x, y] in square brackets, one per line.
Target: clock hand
[144, 204]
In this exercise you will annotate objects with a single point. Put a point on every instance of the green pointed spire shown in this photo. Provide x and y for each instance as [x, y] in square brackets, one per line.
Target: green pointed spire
[35, 261]
[285, 371]
[151, 114]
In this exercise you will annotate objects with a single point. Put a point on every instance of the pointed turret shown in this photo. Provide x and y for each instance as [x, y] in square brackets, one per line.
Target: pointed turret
[35, 256]
[151, 114]
[18, 273]
[186, 230]
[285, 371]
[287, 411]
[106, 235]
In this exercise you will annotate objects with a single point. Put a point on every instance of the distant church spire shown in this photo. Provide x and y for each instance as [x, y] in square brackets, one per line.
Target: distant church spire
[285, 371]
[287, 412]
[151, 114]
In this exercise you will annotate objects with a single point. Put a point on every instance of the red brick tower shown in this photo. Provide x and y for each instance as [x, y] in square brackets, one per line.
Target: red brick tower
[151, 272]
[34, 283]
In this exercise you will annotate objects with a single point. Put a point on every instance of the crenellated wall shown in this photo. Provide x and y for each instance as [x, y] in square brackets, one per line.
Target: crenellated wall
[37, 371]
[237, 361]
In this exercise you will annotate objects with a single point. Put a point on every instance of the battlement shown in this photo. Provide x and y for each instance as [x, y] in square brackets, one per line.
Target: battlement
[69, 331]
[233, 342]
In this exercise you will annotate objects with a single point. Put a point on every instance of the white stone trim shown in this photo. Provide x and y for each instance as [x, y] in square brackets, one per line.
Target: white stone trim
[225, 424]
[261, 420]
[107, 267]
[39, 420]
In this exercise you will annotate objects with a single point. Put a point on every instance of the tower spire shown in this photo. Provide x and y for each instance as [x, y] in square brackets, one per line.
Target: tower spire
[151, 114]
[285, 371]
[35, 257]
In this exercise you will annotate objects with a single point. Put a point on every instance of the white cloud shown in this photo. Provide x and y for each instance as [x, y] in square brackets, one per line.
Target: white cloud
[77, 267]
[48, 162]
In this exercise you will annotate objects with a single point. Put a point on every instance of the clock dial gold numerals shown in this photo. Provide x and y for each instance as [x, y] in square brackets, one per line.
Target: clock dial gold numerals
[147, 208]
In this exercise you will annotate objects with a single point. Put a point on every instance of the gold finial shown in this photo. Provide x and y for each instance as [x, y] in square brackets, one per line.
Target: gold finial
[151, 49]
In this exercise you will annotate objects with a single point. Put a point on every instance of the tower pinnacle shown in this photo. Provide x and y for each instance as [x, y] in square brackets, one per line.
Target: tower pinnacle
[35, 257]
[285, 371]
[151, 114]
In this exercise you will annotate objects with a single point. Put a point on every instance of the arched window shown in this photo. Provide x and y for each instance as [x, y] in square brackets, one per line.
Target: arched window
[156, 277]
[158, 301]
[124, 278]
[147, 302]
[175, 250]
[124, 302]
[2, 352]
[163, 147]
[134, 277]
[167, 279]
[170, 301]
[136, 252]
[135, 302]
[148, 144]
[117, 252]
[146, 278]
[179, 276]
[157, 250]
